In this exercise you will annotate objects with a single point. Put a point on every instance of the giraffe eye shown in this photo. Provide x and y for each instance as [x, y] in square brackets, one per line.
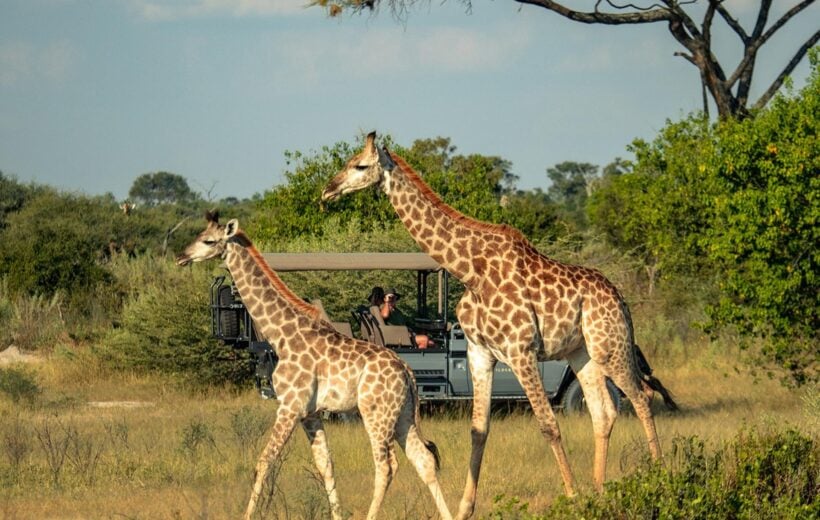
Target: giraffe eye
[209, 242]
[361, 167]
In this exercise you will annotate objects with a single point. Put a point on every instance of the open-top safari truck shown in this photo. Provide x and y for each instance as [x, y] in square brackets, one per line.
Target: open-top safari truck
[441, 370]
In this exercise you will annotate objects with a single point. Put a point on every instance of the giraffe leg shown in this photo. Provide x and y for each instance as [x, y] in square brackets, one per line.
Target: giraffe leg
[601, 408]
[383, 477]
[282, 429]
[321, 455]
[379, 426]
[530, 379]
[482, 364]
[420, 455]
[629, 383]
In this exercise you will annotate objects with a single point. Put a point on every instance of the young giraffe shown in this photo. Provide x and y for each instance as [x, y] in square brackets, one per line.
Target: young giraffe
[519, 307]
[321, 370]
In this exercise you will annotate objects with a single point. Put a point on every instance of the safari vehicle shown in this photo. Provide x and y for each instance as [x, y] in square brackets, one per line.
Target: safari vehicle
[441, 370]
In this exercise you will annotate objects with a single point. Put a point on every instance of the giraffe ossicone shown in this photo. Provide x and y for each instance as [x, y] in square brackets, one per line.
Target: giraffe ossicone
[519, 307]
[321, 370]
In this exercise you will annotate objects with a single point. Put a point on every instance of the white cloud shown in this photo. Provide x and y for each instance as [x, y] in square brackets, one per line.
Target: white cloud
[20, 62]
[368, 53]
[15, 62]
[166, 10]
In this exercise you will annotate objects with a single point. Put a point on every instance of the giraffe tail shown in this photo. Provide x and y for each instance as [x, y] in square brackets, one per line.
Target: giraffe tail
[653, 382]
[644, 370]
[414, 395]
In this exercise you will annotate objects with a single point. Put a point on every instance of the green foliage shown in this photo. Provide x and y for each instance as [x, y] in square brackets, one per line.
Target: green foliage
[151, 189]
[293, 209]
[533, 213]
[756, 476]
[55, 243]
[166, 329]
[661, 207]
[19, 384]
[739, 201]
[766, 229]
[473, 184]
[570, 184]
[13, 196]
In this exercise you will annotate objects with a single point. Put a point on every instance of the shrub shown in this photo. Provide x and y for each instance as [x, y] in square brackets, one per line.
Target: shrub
[755, 476]
[165, 328]
[18, 383]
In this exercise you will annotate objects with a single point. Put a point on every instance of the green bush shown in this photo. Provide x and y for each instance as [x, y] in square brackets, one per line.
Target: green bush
[736, 203]
[755, 476]
[30, 322]
[19, 385]
[166, 327]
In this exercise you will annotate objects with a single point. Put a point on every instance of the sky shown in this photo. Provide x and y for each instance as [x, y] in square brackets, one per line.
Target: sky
[95, 93]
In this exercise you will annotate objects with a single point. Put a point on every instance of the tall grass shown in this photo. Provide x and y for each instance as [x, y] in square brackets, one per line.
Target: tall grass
[30, 322]
[183, 455]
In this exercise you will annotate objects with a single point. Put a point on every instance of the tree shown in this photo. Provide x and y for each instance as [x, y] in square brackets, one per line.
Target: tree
[473, 184]
[729, 89]
[571, 184]
[56, 241]
[533, 213]
[765, 228]
[151, 189]
[737, 200]
[14, 195]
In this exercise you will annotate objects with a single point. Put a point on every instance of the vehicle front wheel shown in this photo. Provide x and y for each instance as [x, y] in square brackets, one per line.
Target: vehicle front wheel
[573, 401]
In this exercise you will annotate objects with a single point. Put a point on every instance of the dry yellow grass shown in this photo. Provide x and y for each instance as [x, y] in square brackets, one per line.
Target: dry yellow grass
[181, 455]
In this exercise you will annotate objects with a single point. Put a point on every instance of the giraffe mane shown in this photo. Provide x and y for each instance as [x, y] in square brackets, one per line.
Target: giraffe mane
[448, 210]
[280, 286]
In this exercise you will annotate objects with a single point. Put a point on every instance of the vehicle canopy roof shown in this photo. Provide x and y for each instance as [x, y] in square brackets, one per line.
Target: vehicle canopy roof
[350, 261]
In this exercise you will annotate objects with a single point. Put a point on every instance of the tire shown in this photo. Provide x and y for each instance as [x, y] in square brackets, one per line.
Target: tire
[573, 402]
[228, 318]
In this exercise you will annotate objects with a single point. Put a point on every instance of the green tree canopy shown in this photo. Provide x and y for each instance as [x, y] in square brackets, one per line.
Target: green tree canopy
[13, 195]
[55, 242]
[571, 183]
[473, 184]
[151, 189]
[738, 199]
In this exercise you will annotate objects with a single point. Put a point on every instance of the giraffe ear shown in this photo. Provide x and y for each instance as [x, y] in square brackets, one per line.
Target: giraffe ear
[370, 142]
[385, 160]
[231, 228]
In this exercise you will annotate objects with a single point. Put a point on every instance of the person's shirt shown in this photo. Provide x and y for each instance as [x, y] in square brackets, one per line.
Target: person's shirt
[396, 317]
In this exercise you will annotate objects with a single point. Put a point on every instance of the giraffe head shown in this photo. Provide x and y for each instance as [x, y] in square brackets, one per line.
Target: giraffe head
[211, 242]
[371, 166]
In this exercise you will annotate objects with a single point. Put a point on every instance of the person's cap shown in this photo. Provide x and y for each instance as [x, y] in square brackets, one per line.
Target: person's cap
[392, 291]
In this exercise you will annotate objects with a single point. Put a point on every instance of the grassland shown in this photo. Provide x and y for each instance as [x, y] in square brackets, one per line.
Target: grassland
[89, 443]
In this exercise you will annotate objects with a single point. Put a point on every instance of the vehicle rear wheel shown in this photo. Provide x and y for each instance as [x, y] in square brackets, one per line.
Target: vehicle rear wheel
[228, 318]
[573, 401]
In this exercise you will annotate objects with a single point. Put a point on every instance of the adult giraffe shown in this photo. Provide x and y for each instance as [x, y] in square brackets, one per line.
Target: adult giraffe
[319, 370]
[519, 307]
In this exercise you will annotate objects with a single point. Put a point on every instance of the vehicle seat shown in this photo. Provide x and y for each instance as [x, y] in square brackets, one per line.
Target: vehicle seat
[341, 327]
[394, 335]
[368, 326]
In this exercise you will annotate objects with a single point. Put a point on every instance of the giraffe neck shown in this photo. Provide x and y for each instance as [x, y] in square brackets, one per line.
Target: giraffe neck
[268, 300]
[441, 231]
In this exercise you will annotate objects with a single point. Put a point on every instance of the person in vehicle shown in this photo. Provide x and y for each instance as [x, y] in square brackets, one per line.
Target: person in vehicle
[384, 302]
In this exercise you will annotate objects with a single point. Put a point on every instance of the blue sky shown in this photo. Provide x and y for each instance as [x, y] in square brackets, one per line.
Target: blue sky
[95, 93]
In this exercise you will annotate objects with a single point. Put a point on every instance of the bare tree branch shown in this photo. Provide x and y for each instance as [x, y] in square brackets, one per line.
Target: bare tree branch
[658, 14]
[730, 20]
[762, 18]
[747, 66]
[695, 38]
[782, 21]
[778, 82]
[708, 18]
